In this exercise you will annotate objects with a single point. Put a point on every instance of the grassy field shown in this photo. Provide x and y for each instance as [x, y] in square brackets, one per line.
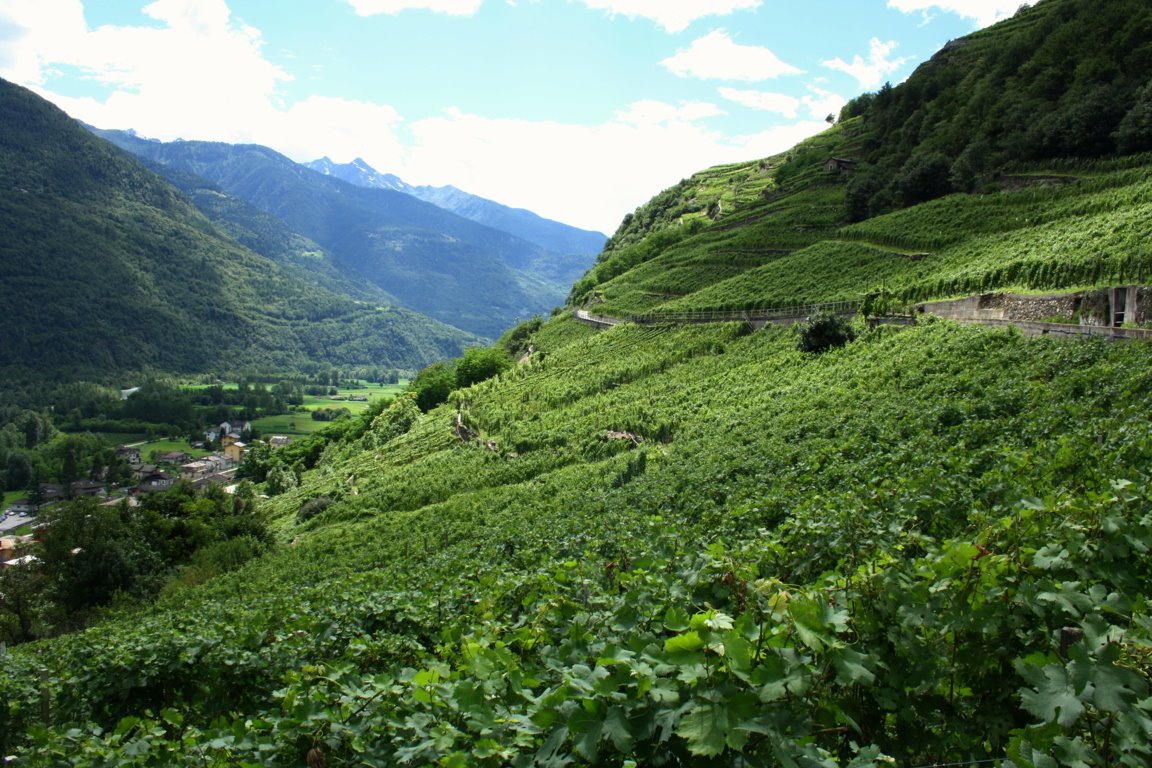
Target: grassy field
[289, 424]
[166, 446]
[301, 423]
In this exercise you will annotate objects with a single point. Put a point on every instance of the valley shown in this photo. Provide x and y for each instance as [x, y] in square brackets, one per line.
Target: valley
[834, 458]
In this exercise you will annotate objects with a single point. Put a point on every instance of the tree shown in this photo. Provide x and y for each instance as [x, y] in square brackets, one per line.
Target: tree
[432, 385]
[517, 340]
[395, 420]
[970, 165]
[859, 193]
[36, 427]
[1085, 126]
[24, 609]
[1135, 131]
[255, 464]
[280, 480]
[479, 364]
[924, 177]
[18, 472]
[90, 553]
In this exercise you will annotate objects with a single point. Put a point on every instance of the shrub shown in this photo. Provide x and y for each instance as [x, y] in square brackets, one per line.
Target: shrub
[433, 384]
[313, 507]
[479, 364]
[823, 332]
[280, 480]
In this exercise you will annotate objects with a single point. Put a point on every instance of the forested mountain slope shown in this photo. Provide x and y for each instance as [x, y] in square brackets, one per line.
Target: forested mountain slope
[106, 268]
[435, 262]
[269, 236]
[699, 545]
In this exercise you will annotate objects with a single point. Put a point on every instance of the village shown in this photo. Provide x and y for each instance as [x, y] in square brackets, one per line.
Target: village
[161, 473]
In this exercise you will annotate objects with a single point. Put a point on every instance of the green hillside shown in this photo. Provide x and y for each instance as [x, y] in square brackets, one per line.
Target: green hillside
[793, 557]
[107, 269]
[269, 236]
[1014, 159]
[457, 271]
[662, 545]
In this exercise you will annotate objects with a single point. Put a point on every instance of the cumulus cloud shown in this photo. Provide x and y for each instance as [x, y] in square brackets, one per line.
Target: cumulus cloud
[983, 12]
[766, 101]
[339, 128]
[672, 15]
[607, 170]
[33, 33]
[870, 73]
[649, 112]
[392, 7]
[817, 103]
[821, 103]
[716, 56]
[178, 77]
[194, 71]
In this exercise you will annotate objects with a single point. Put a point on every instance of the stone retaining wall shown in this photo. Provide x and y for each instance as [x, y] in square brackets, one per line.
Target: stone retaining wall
[1100, 307]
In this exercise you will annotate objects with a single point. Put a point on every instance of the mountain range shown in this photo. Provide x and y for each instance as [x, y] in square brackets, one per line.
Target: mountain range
[105, 268]
[462, 273]
[554, 237]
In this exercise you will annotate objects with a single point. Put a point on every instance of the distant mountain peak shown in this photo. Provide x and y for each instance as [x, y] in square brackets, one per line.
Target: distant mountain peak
[553, 236]
[360, 173]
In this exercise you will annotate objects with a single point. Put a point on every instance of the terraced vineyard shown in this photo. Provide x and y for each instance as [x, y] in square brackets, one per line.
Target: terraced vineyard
[696, 544]
[668, 544]
[1090, 230]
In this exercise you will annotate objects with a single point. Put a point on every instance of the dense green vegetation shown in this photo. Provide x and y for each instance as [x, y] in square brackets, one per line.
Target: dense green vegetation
[665, 545]
[1061, 79]
[672, 544]
[1087, 229]
[89, 554]
[105, 269]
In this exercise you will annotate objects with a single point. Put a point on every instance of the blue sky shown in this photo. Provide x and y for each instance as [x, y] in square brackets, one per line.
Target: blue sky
[580, 110]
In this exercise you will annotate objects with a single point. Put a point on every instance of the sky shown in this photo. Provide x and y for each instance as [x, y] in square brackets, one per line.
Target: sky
[579, 110]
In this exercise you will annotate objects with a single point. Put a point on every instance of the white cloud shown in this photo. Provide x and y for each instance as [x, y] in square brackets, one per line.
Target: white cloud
[871, 73]
[780, 103]
[821, 103]
[340, 128]
[717, 57]
[672, 15]
[177, 79]
[194, 71]
[818, 103]
[649, 112]
[33, 33]
[589, 176]
[392, 7]
[983, 12]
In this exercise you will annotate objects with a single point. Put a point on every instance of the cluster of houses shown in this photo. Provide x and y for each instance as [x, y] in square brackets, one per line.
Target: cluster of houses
[215, 469]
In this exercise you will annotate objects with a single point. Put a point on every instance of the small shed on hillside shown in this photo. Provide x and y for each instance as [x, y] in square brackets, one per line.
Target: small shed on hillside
[841, 165]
